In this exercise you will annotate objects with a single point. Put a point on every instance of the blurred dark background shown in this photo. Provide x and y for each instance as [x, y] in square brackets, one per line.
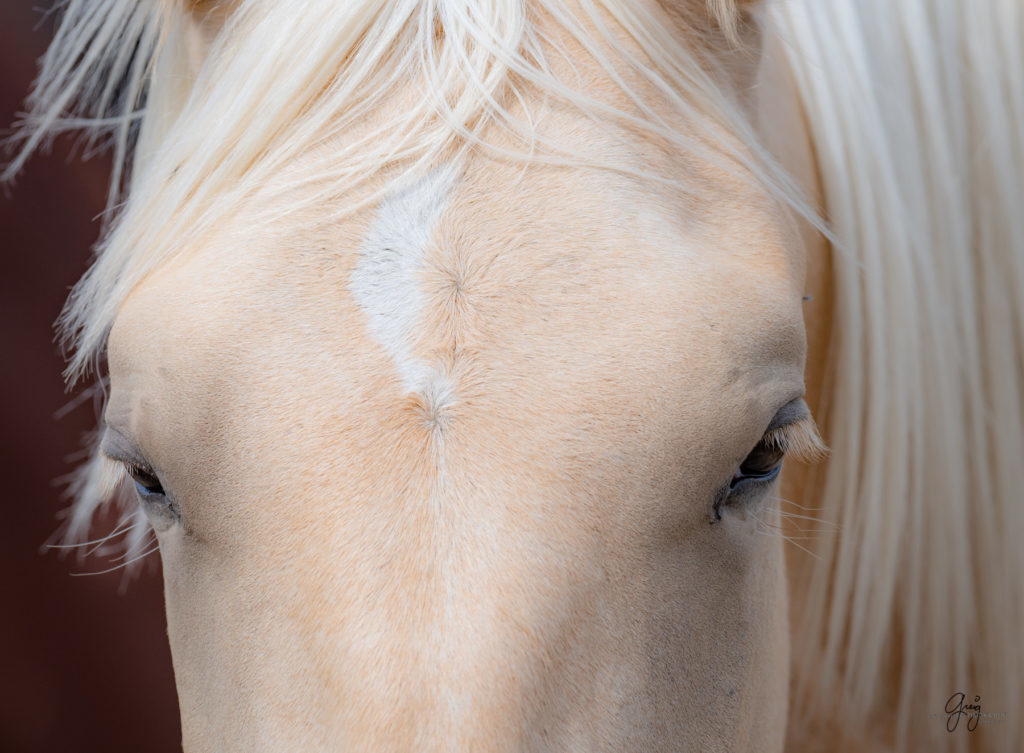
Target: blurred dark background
[84, 662]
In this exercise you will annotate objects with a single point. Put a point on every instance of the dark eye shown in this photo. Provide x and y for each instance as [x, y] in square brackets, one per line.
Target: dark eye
[761, 465]
[146, 484]
[792, 432]
[757, 470]
[161, 510]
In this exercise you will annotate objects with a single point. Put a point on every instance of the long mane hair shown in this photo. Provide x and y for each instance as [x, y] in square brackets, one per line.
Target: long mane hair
[915, 109]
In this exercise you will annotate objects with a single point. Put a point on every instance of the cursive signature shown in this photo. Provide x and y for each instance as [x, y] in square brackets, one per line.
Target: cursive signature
[956, 708]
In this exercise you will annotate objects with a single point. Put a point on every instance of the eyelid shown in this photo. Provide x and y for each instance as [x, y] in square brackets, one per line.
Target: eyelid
[119, 448]
[790, 413]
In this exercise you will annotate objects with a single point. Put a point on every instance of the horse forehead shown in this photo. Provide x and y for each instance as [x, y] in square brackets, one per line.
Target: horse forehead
[462, 264]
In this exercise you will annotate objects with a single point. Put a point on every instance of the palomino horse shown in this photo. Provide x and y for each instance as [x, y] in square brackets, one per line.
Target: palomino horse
[454, 347]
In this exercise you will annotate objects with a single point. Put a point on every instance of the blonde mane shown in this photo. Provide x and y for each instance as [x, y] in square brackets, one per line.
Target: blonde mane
[916, 110]
[922, 176]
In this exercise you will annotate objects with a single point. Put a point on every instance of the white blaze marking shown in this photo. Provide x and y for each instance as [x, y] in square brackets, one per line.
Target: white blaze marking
[384, 281]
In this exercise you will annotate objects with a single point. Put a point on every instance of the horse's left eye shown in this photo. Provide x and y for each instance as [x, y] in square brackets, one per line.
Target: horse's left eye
[757, 470]
[762, 464]
[791, 431]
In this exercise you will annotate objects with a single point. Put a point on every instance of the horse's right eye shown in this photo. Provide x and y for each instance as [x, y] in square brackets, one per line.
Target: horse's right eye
[146, 484]
[160, 508]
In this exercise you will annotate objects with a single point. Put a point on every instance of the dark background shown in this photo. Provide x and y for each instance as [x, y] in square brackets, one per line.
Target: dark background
[84, 662]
